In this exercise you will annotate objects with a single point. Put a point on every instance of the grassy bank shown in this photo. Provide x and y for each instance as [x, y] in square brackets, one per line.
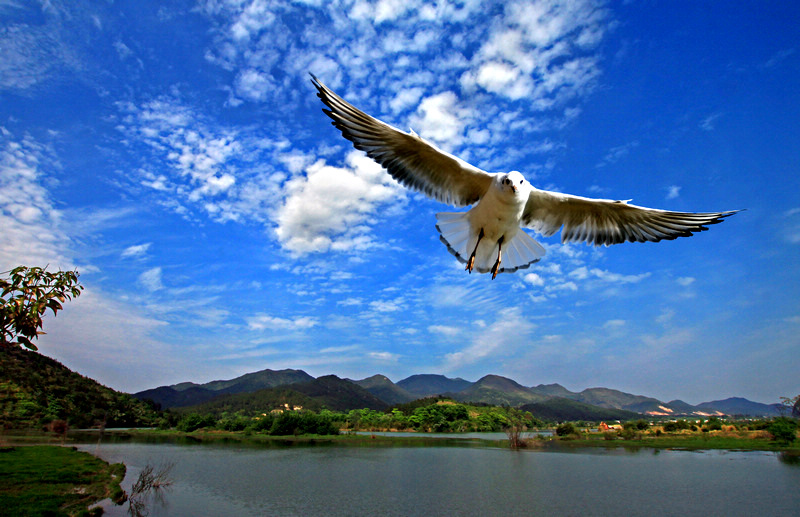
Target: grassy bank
[692, 441]
[50, 480]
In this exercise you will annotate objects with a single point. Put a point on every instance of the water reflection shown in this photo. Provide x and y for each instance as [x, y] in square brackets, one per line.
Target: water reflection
[439, 478]
[790, 458]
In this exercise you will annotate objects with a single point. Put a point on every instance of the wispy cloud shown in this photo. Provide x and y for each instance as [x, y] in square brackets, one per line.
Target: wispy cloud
[615, 154]
[673, 192]
[269, 322]
[779, 57]
[151, 279]
[135, 251]
[503, 337]
[33, 231]
[709, 123]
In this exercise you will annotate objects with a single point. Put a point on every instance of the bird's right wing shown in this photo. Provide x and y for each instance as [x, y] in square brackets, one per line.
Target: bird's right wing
[409, 159]
[603, 221]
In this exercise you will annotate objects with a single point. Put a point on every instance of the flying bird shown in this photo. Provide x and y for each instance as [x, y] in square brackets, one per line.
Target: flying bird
[487, 237]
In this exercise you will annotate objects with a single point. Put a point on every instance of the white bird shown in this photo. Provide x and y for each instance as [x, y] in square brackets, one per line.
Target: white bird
[488, 234]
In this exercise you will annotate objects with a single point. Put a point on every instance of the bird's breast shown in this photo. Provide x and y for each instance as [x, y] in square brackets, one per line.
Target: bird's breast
[497, 215]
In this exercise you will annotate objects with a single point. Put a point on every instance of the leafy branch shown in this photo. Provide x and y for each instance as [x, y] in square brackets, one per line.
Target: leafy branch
[27, 294]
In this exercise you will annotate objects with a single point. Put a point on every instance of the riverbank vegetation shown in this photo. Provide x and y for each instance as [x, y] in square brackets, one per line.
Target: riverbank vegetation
[444, 415]
[52, 480]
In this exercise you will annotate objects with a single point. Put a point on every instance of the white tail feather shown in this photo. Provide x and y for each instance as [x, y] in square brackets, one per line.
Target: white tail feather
[456, 233]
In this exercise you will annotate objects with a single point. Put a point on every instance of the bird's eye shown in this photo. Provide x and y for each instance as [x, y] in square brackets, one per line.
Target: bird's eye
[520, 181]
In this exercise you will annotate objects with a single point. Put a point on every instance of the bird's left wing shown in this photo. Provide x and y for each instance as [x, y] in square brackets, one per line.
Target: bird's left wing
[409, 159]
[603, 221]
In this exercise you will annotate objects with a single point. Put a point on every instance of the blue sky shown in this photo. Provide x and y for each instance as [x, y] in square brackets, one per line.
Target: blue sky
[176, 154]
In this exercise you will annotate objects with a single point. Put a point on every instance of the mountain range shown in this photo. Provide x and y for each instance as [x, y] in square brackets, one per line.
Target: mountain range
[378, 392]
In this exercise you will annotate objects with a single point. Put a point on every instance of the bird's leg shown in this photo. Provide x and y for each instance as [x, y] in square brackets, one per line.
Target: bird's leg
[471, 261]
[499, 254]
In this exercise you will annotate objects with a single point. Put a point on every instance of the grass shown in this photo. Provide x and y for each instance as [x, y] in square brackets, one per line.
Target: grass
[41, 480]
[693, 441]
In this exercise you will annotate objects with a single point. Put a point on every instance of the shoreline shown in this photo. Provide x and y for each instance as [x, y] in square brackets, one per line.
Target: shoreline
[531, 440]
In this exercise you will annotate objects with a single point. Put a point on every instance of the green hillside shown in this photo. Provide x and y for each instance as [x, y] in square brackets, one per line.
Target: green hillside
[35, 390]
[559, 409]
[328, 392]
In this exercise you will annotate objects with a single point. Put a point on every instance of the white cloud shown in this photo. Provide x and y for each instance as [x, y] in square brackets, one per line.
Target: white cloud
[349, 302]
[615, 154]
[534, 279]
[138, 250]
[666, 316]
[444, 330]
[333, 208]
[33, 232]
[708, 123]
[385, 305]
[151, 279]
[254, 85]
[612, 324]
[686, 281]
[583, 273]
[503, 337]
[440, 119]
[383, 356]
[267, 322]
[673, 191]
[203, 167]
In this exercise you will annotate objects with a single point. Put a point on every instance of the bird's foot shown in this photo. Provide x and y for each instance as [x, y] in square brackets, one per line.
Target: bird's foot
[470, 263]
[496, 266]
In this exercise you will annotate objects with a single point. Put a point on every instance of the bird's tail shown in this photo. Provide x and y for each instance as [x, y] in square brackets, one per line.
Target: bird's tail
[456, 233]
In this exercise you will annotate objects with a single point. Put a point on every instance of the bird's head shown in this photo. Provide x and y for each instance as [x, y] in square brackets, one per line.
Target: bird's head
[514, 182]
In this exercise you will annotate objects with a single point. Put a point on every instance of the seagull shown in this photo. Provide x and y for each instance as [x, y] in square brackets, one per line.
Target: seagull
[487, 237]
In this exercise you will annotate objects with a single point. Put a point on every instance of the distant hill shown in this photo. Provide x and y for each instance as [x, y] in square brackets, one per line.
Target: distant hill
[499, 391]
[560, 409]
[259, 380]
[328, 392]
[554, 390]
[339, 394]
[426, 385]
[386, 390]
[615, 399]
[253, 404]
[189, 393]
[167, 397]
[491, 389]
[35, 389]
[741, 406]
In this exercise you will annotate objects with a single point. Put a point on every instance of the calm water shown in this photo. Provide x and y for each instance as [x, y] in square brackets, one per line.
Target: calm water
[465, 480]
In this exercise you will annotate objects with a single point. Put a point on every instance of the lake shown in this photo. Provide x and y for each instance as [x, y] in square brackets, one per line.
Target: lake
[463, 479]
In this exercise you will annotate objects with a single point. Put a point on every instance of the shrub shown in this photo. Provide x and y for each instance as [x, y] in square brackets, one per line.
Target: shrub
[566, 429]
[192, 422]
[783, 430]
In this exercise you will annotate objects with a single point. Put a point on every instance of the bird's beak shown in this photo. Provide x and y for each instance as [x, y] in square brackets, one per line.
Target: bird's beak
[514, 189]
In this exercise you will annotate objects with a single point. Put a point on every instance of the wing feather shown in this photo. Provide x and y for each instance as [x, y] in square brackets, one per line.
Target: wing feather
[606, 222]
[409, 159]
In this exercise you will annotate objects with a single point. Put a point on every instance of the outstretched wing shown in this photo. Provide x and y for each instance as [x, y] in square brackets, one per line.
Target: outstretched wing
[603, 221]
[409, 159]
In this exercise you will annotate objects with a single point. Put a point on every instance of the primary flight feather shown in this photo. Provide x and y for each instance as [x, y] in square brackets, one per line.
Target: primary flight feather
[487, 237]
